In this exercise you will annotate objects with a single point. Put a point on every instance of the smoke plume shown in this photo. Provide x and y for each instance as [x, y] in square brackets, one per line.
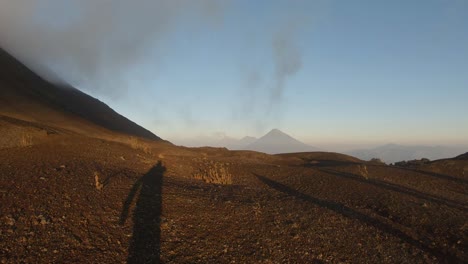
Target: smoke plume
[107, 47]
[93, 44]
[287, 60]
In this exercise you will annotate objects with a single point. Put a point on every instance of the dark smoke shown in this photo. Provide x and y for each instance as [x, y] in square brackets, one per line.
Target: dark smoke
[288, 61]
[94, 44]
[105, 46]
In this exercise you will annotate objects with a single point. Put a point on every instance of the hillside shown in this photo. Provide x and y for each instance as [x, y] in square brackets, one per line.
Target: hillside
[26, 96]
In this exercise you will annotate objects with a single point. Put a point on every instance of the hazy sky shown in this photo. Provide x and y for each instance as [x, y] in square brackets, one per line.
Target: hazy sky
[326, 72]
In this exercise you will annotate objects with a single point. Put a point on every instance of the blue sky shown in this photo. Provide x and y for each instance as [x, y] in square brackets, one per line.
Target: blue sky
[344, 72]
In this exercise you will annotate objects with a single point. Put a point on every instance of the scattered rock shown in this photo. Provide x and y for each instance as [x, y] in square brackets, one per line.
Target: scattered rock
[42, 220]
[60, 168]
[9, 220]
[22, 240]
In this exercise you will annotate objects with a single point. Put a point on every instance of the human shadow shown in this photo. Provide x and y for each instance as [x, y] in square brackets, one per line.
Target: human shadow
[352, 214]
[145, 245]
[397, 188]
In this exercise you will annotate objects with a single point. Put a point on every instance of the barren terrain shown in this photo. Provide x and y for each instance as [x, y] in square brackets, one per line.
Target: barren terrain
[161, 203]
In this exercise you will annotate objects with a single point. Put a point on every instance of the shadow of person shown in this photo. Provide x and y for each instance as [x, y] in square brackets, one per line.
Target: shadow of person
[145, 243]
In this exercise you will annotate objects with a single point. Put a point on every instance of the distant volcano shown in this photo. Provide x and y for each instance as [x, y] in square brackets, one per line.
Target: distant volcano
[276, 141]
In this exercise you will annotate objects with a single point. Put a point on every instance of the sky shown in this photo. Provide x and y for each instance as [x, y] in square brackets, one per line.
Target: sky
[328, 72]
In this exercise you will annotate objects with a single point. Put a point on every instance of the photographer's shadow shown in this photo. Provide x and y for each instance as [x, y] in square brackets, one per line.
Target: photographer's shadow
[145, 245]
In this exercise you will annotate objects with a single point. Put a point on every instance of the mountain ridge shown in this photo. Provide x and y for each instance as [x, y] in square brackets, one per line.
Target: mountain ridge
[391, 153]
[26, 95]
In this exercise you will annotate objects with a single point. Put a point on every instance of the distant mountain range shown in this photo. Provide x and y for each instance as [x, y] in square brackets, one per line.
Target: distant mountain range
[391, 153]
[273, 142]
[236, 144]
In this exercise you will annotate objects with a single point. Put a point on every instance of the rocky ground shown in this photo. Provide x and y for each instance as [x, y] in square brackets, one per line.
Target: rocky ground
[72, 199]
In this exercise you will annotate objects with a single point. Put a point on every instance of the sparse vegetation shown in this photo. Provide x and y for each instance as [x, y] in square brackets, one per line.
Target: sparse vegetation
[26, 140]
[138, 144]
[214, 172]
[362, 168]
[97, 183]
[376, 161]
[257, 209]
[412, 163]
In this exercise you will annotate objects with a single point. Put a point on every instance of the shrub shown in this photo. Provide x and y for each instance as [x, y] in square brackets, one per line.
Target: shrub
[376, 161]
[362, 170]
[97, 183]
[138, 144]
[214, 172]
[26, 140]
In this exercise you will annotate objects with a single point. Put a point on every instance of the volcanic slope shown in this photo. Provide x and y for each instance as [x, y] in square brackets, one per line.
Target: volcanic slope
[26, 96]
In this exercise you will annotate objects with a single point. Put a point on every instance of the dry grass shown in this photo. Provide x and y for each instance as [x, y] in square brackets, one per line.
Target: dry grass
[26, 140]
[363, 171]
[97, 183]
[214, 172]
[257, 208]
[139, 144]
